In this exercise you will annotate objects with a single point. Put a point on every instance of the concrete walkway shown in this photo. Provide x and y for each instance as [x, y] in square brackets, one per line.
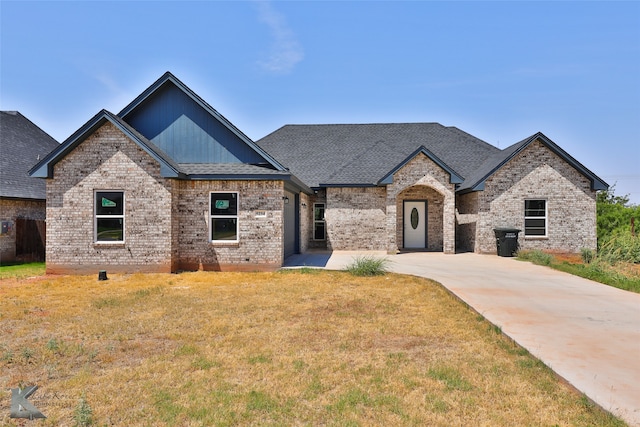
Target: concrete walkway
[588, 333]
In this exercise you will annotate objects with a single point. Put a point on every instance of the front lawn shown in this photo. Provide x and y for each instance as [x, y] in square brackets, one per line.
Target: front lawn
[289, 348]
[22, 270]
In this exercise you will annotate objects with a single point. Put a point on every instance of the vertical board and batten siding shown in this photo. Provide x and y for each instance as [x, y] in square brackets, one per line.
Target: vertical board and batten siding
[187, 132]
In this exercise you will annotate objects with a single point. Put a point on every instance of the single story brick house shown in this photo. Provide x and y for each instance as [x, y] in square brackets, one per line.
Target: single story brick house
[169, 184]
[22, 199]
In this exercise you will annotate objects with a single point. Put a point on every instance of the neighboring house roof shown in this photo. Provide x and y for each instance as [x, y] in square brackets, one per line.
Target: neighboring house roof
[366, 154]
[22, 144]
[475, 181]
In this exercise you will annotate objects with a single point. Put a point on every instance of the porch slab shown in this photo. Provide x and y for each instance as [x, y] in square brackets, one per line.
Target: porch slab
[336, 260]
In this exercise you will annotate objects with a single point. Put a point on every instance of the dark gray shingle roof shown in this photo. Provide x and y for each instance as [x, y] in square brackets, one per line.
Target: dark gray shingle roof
[490, 165]
[364, 153]
[22, 145]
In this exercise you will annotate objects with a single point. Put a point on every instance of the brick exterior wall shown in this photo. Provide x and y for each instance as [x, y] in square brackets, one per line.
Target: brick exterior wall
[422, 178]
[371, 218]
[10, 210]
[108, 160]
[356, 218]
[466, 221]
[538, 173]
[166, 220]
[260, 241]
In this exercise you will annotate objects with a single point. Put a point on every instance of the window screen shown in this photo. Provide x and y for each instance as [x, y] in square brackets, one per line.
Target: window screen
[535, 218]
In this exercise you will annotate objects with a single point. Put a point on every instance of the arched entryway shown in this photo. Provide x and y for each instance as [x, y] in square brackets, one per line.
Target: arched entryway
[420, 219]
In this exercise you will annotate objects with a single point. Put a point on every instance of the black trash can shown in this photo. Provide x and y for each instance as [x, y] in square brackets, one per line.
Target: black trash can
[506, 241]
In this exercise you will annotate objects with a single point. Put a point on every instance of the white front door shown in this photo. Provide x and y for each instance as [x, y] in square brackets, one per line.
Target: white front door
[415, 224]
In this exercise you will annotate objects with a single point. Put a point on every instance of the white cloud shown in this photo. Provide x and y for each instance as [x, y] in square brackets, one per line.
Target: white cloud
[286, 51]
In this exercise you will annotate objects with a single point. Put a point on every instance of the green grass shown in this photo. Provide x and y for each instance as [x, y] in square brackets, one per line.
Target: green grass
[597, 270]
[21, 270]
[602, 273]
[450, 377]
[368, 266]
[621, 247]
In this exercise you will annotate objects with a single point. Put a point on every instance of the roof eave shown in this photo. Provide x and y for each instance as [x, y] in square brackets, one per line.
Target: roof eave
[24, 198]
[235, 177]
[348, 185]
[300, 185]
[478, 187]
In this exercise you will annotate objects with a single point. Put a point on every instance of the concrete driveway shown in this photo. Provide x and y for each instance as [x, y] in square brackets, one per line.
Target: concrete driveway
[588, 333]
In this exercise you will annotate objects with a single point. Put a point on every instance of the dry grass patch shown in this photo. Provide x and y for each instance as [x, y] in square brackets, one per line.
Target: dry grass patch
[287, 348]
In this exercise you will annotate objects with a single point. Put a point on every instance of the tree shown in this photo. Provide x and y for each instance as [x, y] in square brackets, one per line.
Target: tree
[614, 214]
[608, 197]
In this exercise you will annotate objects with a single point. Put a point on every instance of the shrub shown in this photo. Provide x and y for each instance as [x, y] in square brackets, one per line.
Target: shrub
[621, 247]
[587, 255]
[368, 266]
[83, 415]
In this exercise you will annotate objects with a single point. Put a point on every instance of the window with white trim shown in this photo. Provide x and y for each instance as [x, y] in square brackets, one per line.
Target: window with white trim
[535, 218]
[109, 217]
[224, 217]
[319, 224]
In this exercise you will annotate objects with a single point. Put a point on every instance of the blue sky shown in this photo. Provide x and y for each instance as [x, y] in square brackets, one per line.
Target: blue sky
[501, 71]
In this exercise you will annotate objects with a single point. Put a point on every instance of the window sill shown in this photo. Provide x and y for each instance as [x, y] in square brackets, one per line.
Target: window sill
[536, 237]
[233, 243]
[107, 245]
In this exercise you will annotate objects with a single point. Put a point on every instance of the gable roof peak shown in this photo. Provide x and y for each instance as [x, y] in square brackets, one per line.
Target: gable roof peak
[494, 163]
[44, 168]
[169, 78]
[454, 177]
